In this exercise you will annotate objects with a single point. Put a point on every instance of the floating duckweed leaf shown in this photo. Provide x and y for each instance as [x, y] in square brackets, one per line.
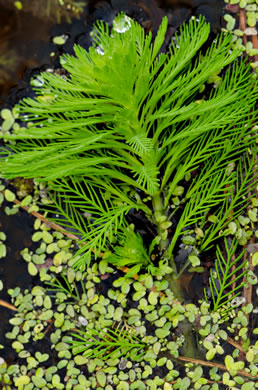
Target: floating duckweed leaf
[243, 220]
[47, 237]
[9, 195]
[60, 40]
[138, 385]
[39, 259]
[49, 373]
[2, 236]
[32, 269]
[37, 236]
[133, 319]
[213, 218]
[168, 386]
[138, 295]
[134, 312]
[62, 346]
[2, 250]
[188, 240]
[251, 277]
[26, 256]
[38, 290]
[230, 22]
[91, 293]
[38, 381]
[138, 286]
[32, 362]
[160, 322]
[152, 316]
[232, 226]
[118, 314]
[33, 208]
[6, 113]
[56, 378]
[24, 354]
[7, 124]
[252, 214]
[58, 258]
[148, 281]
[1, 285]
[156, 347]
[153, 297]
[41, 357]
[195, 261]
[251, 19]
[162, 285]
[161, 361]
[70, 310]
[179, 190]
[38, 328]
[47, 302]
[22, 380]
[161, 333]
[46, 315]
[125, 288]
[52, 248]
[80, 360]
[17, 345]
[101, 378]
[103, 265]
[26, 201]
[255, 259]
[16, 321]
[59, 320]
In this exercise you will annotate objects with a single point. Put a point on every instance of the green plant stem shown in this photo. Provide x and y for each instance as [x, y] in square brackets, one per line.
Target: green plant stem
[159, 213]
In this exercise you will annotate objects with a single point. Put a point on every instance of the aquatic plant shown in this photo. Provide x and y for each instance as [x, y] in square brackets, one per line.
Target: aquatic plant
[99, 300]
[229, 270]
[128, 124]
[108, 343]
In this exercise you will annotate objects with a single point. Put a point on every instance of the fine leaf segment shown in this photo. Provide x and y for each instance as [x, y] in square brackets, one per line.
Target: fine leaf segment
[126, 125]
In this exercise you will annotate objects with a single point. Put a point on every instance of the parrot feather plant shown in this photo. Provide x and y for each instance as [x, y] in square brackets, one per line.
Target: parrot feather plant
[126, 126]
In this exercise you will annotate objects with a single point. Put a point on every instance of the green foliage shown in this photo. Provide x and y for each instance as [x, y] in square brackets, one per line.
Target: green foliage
[70, 290]
[130, 251]
[229, 271]
[128, 123]
[217, 185]
[107, 344]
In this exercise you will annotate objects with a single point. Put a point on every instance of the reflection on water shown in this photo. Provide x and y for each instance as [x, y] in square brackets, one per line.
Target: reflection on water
[26, 39]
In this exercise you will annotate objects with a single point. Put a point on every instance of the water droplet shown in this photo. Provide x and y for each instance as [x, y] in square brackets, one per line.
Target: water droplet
[122, 23]
[99, 50]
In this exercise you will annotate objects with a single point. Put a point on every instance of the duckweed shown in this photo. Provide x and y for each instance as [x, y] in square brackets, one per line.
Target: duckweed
[153, 308]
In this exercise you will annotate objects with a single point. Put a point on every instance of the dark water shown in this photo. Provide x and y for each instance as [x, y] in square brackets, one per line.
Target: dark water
[26, 39]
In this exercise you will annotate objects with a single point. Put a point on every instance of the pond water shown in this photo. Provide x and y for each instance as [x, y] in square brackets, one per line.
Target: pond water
[30, 40]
